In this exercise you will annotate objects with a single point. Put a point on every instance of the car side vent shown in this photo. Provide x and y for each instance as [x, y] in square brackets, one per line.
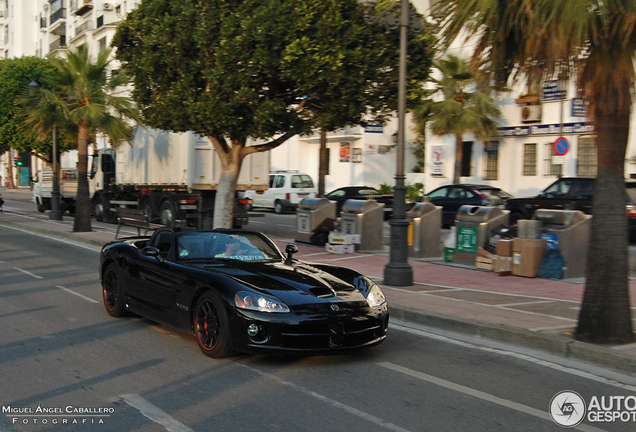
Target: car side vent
[322, 292]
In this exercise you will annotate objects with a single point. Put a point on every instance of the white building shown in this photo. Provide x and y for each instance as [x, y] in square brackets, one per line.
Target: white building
[522, 161]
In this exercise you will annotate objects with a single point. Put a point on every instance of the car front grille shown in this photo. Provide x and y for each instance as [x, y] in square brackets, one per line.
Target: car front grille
[349, 333]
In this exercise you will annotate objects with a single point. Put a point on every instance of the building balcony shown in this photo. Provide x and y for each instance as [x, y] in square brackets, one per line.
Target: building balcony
[58, 44]
[88, 25]
[58, 15]
[348, 133]
[81, 7]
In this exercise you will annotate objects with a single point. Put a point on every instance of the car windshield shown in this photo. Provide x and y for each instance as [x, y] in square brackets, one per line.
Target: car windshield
[198, 245]
[495, 193]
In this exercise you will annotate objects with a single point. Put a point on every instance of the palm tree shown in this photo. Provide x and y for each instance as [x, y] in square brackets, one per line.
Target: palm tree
[82, 100]
[455, 106]
[594, 40]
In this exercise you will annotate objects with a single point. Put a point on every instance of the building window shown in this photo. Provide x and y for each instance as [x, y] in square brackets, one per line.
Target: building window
[467, 154]
[530, 159]
[587, 165]
[492, 160]
[102, 44]
[550, 168]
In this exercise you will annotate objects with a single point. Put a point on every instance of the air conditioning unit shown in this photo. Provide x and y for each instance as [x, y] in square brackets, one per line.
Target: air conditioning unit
[531, 114]
[45, 6]
[108, 6]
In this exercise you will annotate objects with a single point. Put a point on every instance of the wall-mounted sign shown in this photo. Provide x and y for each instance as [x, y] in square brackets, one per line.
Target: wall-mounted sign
[437, 161]
[371, 149]
[374, 129]
[356, 155]
[553, 129]
[551, 91]
[579, 107]
[345, 152]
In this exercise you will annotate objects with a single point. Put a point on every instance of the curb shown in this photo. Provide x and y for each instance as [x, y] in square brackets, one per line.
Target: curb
[556, 345]
[71, 236]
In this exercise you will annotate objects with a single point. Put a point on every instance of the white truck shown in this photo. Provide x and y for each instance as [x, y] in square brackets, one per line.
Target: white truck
[43, 186]
[171, 176]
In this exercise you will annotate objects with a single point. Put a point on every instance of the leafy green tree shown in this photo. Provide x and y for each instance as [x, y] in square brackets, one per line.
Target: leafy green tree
[81, 99]
[263, 70]
[15, 75]
[595, 41]
[456, 106]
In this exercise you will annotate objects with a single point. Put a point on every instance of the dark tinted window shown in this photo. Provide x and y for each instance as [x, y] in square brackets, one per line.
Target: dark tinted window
[302, 181]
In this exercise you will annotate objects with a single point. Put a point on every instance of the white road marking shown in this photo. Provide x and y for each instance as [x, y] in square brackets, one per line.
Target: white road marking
[559, 327]
[56, 238]
[377, 421]
[614, 380]
[314, 254]
[345, 258]
[478, 394]
[155, 414]
[525, 303]
[27, 273]
[70, 291]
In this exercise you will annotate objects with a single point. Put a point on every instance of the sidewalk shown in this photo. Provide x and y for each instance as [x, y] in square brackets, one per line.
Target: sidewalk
[534, 313]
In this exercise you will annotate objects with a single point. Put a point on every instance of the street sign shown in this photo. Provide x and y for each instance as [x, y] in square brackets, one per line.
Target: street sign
[561, 146]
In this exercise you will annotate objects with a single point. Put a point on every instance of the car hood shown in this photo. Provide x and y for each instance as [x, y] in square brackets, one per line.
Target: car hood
[297, 283]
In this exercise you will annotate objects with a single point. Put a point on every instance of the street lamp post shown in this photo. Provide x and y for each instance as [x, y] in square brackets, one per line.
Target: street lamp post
[56, 213]
[398, 272]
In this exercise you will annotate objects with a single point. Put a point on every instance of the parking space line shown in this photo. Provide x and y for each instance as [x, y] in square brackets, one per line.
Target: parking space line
[479, 394]
[27, 273]
[155, 414]
[70, 291]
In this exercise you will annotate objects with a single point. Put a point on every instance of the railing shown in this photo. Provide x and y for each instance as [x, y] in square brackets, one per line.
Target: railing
[60, 43]
[58, 14]
[88, 25]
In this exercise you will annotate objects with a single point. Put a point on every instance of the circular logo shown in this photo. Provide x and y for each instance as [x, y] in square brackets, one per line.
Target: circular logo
[567, 409]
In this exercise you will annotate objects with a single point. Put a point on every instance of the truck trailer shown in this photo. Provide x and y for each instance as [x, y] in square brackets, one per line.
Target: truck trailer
[173, 177]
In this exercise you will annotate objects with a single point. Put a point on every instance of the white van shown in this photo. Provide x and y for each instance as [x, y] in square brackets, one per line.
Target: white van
[286, 190]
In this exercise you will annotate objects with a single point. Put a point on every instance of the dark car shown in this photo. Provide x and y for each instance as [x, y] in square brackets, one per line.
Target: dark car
[343, 194]
[236, 292]
[452, 197]
[569, 193]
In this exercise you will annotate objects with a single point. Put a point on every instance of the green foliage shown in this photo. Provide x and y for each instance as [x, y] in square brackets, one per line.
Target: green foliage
[385, 188]
[258, 69]
[414, 191]
[418, 147]
[15, 76]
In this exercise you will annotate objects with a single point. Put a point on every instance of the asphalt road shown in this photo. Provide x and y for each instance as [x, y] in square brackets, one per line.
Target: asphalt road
[59, 350]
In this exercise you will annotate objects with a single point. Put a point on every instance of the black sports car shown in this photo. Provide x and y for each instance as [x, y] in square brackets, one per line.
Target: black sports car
[237, 292]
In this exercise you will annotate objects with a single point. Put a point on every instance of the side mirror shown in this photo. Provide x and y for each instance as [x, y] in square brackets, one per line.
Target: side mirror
[152, 252]
[290, 250]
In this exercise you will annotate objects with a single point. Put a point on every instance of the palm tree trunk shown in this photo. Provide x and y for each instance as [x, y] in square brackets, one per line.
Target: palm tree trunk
[11, 184]
[605, 315]
[459, 155]
[82, 210]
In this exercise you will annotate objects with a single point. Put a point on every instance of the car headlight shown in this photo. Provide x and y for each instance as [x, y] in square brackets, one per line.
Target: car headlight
[376, 298]
[259, 302]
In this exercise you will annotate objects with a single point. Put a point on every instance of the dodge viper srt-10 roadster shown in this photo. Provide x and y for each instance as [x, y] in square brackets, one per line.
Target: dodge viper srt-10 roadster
[238, 293]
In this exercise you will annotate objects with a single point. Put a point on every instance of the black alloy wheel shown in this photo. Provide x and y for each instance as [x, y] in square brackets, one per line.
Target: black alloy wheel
[212, 327]
[112, 292]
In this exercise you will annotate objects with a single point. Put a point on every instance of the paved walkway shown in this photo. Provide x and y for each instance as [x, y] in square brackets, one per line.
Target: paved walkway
[537, 313]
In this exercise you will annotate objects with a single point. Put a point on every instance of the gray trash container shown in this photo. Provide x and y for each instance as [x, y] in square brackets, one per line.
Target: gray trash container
[425, 237]
[364, 217]
[474, 224]
[569, 231]
[312, 215]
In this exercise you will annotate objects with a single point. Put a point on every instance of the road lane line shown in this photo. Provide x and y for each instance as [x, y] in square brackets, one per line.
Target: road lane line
[544, 415]
[70, 291]
[336, 404]
[155, 414]
[27, 273]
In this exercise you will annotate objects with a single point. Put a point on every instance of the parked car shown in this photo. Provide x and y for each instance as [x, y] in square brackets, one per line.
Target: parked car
[343, 194]
[452, 197]
[286, 190]
[235, 291]
[569, 193]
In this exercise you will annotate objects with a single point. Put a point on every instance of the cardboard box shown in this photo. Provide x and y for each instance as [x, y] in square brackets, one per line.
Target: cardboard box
[484, 253]
[340, 248]
[503, 265]
[483, 263]
[527, 255]
[347, 239]
[504, 247]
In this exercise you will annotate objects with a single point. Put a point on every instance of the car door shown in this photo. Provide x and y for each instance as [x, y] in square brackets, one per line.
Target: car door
[439, 197]
[556, 196]
[581, 194]
[156, 282]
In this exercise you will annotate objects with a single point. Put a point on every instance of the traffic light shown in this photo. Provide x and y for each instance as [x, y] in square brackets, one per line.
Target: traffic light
[17, 161]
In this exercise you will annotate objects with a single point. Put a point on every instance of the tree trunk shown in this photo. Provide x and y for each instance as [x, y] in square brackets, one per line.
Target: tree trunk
[226, 189]
[11, 184]
[322, 163]
[605, 315]
[459, 153]
[82, 206]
